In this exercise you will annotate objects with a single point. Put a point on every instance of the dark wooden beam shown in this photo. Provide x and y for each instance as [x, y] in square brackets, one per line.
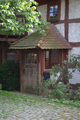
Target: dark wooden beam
[75, 44]
[42, 2]
[66, 18]
[8, 39]
[77, 20]
[20, 52]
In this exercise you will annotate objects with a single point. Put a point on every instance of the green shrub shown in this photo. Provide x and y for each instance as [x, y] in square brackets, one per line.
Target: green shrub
[77, 95]
[9, 75]
[62, 91]
[59, 91]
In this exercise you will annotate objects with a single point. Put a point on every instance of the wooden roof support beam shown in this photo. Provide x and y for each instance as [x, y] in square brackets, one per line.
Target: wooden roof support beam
[8, 39]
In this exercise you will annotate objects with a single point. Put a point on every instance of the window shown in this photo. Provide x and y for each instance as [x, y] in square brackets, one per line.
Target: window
[52, 57]
[11, 56]
[31, 58]
[53, 12]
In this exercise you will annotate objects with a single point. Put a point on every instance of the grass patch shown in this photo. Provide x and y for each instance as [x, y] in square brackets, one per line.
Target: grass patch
[10, 97]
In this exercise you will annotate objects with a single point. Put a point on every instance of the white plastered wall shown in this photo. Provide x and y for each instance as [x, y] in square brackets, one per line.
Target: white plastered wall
[74, 35]
[74, 32]
[60, 27]
[74, 9]
[43, 10]
[34, 30]
[62, 17]
[74, 50]
[76, 75]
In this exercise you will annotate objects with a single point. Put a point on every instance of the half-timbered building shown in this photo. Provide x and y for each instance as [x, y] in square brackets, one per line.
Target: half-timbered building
[37, 53]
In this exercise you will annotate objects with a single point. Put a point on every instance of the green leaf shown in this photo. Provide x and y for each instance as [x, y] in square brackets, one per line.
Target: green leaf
[26, 9]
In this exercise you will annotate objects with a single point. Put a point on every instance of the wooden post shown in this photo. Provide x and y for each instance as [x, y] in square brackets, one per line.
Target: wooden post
[3, 49]
[20, 67]
[42, 62]
[42, 66]
[64, 57]
[66, 18]
[0, 53]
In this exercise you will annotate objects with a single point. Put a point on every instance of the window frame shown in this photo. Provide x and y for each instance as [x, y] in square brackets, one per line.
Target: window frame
[48, 11]
[50, 59]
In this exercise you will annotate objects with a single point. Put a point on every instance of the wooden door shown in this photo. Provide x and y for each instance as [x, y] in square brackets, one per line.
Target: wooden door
[31, 68]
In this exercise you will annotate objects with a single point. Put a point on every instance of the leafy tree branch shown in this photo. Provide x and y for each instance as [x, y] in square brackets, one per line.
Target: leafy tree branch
[11, 10]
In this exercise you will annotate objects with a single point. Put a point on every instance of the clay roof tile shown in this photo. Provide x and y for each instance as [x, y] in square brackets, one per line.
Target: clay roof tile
[52, 40]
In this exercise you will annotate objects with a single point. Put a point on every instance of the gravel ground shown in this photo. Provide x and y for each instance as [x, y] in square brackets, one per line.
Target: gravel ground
[10, 110]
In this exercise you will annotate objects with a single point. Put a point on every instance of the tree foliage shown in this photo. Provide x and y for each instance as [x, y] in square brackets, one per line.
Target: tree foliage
[9, 9]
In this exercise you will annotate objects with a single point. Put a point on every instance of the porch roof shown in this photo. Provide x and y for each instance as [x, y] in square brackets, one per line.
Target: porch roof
[52, 40]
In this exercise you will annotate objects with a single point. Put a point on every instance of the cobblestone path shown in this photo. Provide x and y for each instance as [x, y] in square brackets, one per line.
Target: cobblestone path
[40, 111]
[49, 112]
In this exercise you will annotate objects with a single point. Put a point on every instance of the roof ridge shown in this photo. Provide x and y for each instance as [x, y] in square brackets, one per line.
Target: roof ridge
[42, 39]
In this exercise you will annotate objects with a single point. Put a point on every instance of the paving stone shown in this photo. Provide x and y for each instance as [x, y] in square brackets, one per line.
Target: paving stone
[55, 118]
[61, 119]
[39, 112]
[66, 115]
[70, 118]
